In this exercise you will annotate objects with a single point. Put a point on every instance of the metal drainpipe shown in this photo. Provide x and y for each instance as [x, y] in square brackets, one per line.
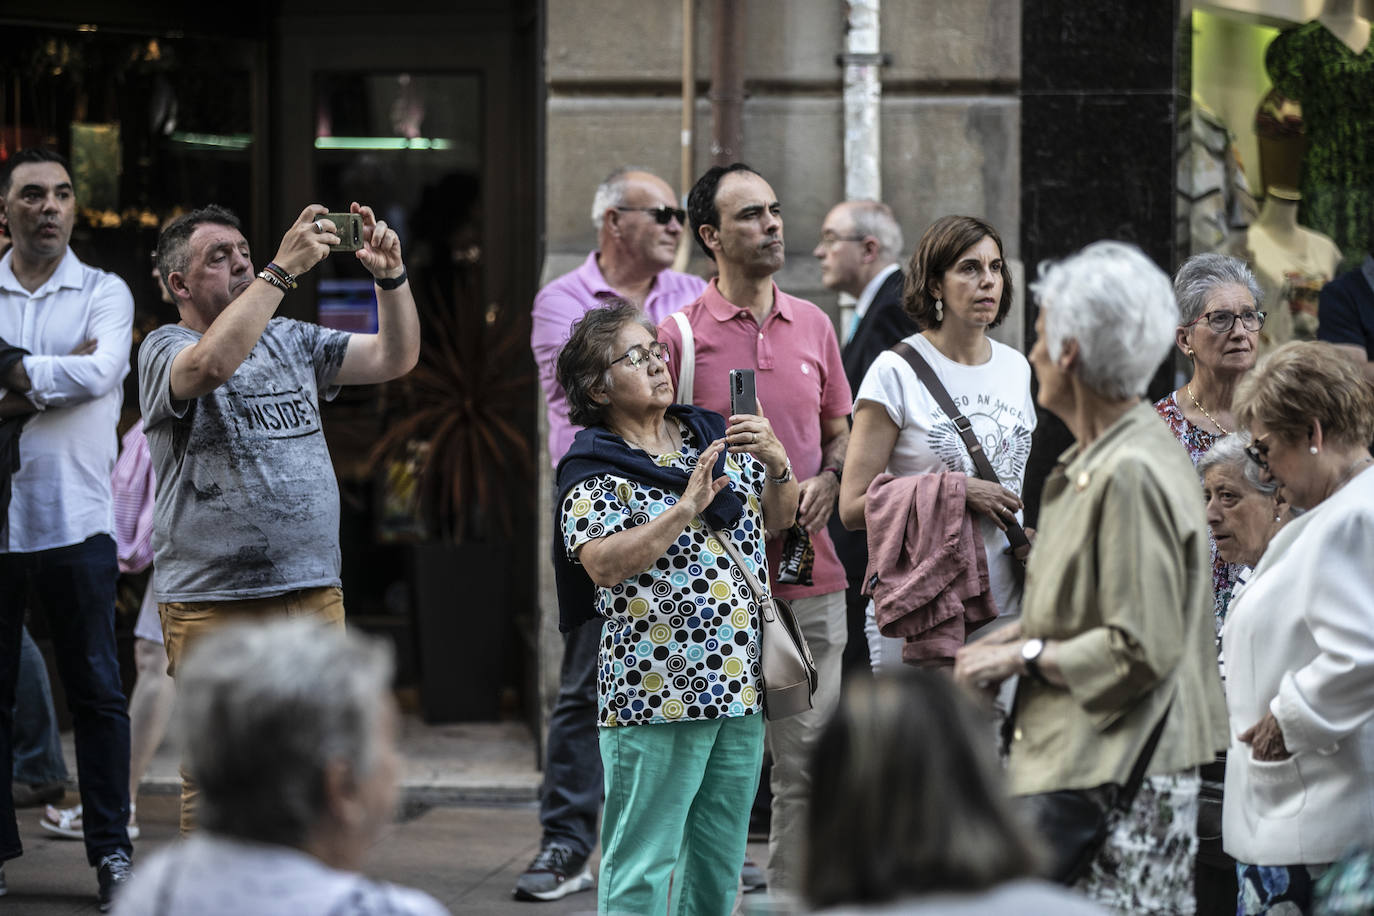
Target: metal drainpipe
[686, 173]
[863, 92]
[727, 81]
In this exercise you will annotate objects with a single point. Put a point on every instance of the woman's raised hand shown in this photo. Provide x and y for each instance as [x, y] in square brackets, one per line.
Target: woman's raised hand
[701, 488]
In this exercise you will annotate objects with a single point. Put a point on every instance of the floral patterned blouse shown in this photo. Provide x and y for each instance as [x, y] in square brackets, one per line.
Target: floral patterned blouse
[1197, 441]
[680, 640]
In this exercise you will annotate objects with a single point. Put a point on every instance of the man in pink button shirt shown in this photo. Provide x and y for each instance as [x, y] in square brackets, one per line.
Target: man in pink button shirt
[638, 226]
[743, 321]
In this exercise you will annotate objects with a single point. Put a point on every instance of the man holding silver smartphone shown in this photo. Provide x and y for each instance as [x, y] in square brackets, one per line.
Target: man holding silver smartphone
[743, 321]
[246, 516]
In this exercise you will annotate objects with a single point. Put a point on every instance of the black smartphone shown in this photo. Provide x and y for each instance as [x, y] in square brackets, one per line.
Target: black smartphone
[742, 396]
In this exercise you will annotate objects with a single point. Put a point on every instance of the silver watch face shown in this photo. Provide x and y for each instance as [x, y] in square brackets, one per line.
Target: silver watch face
[1032, 648]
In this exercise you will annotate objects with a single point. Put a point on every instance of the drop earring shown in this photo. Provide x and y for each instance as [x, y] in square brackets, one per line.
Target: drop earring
[939, 310]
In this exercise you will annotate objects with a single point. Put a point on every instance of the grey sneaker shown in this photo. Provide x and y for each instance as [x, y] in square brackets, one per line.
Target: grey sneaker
[556, 872]
[751, 877]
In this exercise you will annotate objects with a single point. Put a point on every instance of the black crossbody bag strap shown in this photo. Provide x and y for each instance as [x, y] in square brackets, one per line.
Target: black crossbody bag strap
[1015, 533]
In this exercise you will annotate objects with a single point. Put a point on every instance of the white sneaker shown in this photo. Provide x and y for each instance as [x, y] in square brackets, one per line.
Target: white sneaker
[66, 822]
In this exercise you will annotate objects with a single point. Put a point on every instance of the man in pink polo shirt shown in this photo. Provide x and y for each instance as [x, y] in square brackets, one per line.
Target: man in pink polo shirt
[638, 226]
[743, 321]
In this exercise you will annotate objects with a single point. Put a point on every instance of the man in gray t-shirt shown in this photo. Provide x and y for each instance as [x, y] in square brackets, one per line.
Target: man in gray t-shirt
[246, 518]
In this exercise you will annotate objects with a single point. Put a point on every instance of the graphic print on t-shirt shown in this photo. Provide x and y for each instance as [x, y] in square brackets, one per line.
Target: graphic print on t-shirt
[1001, 430]
[278, 414]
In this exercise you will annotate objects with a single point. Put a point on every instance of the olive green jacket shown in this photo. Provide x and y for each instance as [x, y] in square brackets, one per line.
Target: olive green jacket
[1121, 575]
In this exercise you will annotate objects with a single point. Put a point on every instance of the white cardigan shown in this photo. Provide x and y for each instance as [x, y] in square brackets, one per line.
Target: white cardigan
[1299, 642]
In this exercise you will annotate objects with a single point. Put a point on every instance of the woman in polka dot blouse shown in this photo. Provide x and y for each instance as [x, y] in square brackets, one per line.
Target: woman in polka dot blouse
[645, 491]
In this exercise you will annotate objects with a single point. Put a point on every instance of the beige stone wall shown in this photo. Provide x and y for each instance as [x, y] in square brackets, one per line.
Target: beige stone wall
[950, 123]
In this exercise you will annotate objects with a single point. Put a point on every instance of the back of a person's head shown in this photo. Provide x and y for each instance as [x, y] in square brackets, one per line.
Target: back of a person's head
[264, 708]
[906, 797]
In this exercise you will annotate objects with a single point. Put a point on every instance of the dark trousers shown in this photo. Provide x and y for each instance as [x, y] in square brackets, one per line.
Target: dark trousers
[36, 742]
[571, 800]
[76, 588]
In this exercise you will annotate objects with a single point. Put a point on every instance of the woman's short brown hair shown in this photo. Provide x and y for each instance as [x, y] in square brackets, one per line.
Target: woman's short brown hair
[583, 365]
[939, 248]
[1304, 381]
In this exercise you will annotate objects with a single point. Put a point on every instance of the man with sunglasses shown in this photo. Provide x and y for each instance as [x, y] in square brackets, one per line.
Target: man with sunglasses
[639, 226]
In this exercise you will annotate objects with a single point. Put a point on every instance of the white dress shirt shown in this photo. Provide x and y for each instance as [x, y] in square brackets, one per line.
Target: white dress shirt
[61, 493]
[866, 298]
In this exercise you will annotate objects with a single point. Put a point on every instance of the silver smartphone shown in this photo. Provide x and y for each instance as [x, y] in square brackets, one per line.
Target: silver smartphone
[743, 398]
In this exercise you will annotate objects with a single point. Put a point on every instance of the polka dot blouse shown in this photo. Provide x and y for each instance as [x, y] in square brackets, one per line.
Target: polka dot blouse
[680, 640]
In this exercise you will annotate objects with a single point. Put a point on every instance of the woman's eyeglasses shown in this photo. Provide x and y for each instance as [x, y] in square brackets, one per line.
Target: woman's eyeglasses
[662, 215]
[638, 356]
[1258, 453]
[1222, 321]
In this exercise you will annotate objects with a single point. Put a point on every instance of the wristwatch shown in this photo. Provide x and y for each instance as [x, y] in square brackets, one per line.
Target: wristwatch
[782, 478]
[1031, 650]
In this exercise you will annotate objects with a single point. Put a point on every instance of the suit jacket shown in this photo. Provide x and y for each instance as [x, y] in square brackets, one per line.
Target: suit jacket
[883, 325]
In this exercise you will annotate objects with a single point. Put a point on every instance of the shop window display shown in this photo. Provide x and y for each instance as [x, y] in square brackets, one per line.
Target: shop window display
[1293, 83]
[151, 124]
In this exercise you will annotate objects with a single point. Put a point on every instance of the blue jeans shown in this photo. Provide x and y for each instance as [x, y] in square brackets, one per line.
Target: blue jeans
[76, 587]
[571, 800]
[37, 744]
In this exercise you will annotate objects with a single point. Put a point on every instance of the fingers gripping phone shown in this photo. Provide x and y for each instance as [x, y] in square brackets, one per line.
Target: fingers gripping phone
[743, 398]
[349, 227]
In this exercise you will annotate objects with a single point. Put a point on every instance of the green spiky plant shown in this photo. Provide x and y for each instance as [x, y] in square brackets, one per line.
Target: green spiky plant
[463, 399]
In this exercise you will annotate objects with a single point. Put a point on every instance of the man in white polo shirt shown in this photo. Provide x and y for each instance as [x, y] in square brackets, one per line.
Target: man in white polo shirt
[57, 543]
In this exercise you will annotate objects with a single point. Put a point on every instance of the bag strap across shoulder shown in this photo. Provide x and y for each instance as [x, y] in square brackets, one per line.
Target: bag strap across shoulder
[760, 594]
[687, 360]
[1015, 533]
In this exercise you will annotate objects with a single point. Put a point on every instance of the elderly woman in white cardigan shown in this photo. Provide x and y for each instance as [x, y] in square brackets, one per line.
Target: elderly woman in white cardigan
[1299, 637]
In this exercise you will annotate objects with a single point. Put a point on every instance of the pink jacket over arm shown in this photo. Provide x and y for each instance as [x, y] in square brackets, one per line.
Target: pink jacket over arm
[927, 570]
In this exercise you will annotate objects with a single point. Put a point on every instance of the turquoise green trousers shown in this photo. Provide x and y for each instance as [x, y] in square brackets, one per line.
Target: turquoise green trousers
[677, 814]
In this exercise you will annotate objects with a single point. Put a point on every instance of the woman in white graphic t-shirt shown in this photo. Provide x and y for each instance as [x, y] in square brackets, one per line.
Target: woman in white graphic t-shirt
[958, 286]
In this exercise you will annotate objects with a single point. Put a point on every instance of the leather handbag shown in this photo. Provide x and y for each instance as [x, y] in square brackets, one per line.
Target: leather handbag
[789, 674]
[1016, 535]
[1075, 822]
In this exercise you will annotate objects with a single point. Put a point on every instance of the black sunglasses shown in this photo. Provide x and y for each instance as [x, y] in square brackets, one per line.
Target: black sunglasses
[662, 215]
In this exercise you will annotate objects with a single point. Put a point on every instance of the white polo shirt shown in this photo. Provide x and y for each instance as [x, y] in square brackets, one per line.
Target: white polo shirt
[61, 493]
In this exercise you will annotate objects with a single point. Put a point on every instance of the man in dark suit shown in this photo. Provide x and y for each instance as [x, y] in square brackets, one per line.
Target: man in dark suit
[859, 246]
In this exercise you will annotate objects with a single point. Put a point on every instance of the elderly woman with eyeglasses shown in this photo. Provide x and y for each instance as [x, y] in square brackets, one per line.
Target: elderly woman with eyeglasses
[1114, 646]
[1299, 637]
[1219, 325]
[648, 493]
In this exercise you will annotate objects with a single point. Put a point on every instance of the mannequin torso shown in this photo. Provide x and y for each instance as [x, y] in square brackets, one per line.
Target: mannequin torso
[1292, 264]
[1341, 20]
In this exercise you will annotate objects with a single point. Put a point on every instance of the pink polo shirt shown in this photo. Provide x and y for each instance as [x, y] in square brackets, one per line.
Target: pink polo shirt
[800, 381]
[562, 303]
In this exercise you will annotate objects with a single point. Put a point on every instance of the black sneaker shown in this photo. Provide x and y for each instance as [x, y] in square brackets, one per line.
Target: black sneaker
[556, 872]
[113, 872]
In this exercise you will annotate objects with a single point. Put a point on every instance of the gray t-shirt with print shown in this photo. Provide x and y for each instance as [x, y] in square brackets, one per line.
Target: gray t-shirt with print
[247, 504]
